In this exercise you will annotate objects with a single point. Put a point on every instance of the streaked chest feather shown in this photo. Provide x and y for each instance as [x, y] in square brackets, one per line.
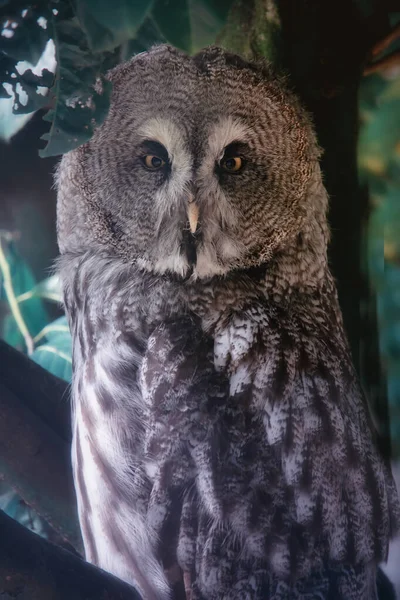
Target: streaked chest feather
[243, 424]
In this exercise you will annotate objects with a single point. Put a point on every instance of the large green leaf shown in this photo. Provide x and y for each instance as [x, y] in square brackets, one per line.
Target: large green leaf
[30, 82]
[23, 41]
[109, 24]
[190, 24]
[148, 35]
[54, 353]
[77, 107]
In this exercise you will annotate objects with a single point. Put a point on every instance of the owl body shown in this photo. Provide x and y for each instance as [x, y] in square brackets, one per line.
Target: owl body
[222, 448]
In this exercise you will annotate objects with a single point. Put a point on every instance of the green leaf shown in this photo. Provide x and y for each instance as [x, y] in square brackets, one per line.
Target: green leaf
[24, 38]
[148, 35]
[80, 98]
[173, 19]
[190, 24]
[109, 24]
[29, 83]
[48, 289]
[55, 353]
[32, 310]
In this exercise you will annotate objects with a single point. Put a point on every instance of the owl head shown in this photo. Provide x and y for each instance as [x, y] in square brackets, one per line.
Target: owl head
[204, 165]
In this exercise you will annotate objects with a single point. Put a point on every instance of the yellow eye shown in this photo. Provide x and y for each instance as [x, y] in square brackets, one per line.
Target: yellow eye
[153, 162]
[232, 164]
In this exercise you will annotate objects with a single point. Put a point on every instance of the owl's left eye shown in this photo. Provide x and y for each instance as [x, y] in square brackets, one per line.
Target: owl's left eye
[233, 160]
[153, 162]
[232, 164]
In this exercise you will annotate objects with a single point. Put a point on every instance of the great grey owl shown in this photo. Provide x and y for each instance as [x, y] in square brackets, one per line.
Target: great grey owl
[222, 449]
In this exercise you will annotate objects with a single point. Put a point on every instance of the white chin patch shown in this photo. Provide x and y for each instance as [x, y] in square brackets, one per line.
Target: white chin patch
[172, 263]
[179, 265]
[207, 267]
[217, 261]
[210, 261]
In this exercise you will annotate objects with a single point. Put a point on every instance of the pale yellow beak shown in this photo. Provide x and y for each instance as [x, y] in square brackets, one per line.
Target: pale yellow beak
[193, 215]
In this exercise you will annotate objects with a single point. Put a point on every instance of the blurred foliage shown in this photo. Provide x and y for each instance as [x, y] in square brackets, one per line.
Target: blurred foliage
[379, 162]
[89, 37]
[51, 342]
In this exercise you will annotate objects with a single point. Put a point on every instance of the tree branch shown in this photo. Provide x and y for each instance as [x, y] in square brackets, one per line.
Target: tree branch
[44, 394]
[35, 461]
[31, 567]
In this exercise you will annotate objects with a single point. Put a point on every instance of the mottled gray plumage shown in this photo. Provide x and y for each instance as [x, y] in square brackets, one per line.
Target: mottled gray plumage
[222, 447]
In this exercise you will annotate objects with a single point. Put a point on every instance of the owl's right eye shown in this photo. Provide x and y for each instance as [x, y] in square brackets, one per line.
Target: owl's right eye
[153, 162]
[154, 157]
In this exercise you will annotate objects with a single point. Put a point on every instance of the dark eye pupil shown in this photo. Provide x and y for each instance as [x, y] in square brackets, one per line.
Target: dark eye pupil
[230, 163]
[156, 162]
